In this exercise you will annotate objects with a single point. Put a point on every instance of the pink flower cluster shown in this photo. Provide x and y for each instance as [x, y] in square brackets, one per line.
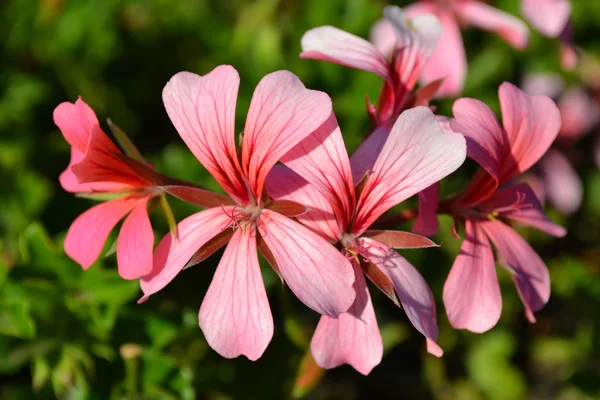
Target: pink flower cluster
[315, 213]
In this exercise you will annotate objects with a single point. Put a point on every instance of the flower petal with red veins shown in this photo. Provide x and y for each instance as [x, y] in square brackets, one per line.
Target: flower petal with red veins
[135, 244]
[88, 233]
[528, 270]
[202, 109]
[413, 292]
[69, 181]
[235, 316]
[416, 154]
[284, 184]
[416, 40]
[99, 163]
[75, 121]
[511, 29]
[427, 223]
[549, 17]
[353, 338]
[364, 157]
[531, 124]
[519, 203]
[323, 161]
[171, 255]
[486, 141]
[331, 44]
[318, 274]
[282, 113]
[472, 292]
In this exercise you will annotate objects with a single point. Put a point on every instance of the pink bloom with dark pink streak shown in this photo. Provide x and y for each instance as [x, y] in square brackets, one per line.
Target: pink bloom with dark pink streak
[399, 50]
[94, 169]
[531, 123]
[416, 154]
[235, 315]
[449, 60]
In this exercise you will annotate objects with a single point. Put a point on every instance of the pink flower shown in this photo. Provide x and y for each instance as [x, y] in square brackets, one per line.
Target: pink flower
[549, 17]
[449, 60]
[399, 50]
[235, 315]
[531, 123]
[96, 170]
[416, 154]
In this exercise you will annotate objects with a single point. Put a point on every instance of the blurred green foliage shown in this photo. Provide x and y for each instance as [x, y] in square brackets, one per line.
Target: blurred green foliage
[76, 334]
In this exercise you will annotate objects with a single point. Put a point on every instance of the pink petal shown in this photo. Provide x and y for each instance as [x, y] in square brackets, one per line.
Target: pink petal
[318, 274]
[448, 60]
[416, 154]
[282, 113]
[75, 121]
[549, 17]
[486, 141]
[171, 255]
[323, 161]
[235, 315]
[427, 223]
[579, 113]
[413, 292]
[531, 124]
[519, 203]
[99, 163]
[353, 338]
[471, 292]
[331, 44]
[529, 271]
[69, 182]
[202, 109]
[562, 185]
[284, 184]
[365, 156]
[511, 29]
[135, 244]
[88, 233]
[416, 40]
[383, 37]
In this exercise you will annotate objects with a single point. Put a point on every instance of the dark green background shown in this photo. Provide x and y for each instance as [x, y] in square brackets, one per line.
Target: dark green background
[62, 331]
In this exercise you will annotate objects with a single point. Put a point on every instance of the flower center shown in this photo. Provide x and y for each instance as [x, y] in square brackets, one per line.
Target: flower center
[242, 217]
[353, 247]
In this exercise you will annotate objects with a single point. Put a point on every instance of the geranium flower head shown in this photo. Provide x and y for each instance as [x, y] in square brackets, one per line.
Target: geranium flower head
[530, 125]
[96, 170]
[235, 315]
[400, 48]
[416, 154]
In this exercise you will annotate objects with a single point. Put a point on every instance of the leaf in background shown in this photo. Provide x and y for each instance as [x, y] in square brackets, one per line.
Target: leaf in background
[15, 320]
[160, 331]
[489, 365]
[124, 142]
[392, 335]
[40, 373]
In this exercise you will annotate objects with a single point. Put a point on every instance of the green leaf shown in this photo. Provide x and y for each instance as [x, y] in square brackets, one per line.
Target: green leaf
[168, 214]
[124, 141]
[15, 320]
[40, 372]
